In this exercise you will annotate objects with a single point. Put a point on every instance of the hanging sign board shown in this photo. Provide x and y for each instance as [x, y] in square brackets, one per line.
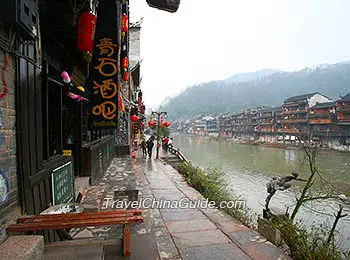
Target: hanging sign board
[104, 81]
[62, 184]
[67, 152]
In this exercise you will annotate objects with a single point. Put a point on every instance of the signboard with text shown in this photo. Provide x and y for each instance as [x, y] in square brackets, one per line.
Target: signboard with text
[104, 80]
[62, 184]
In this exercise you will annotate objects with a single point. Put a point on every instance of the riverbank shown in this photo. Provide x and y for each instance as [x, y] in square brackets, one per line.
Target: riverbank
[326, 147]
[302, 243]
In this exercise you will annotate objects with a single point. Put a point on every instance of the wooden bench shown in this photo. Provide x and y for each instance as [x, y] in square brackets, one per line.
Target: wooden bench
[78, 220]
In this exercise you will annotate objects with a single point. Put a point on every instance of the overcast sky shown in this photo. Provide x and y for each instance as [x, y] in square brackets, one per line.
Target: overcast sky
[214, 39]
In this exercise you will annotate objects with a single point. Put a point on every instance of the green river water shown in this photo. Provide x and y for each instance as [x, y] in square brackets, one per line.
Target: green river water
[249, 167]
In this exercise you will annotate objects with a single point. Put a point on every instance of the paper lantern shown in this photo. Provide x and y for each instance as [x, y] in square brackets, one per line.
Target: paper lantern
[125, 63]
[121, 104]
[65, 77]
[125, 23]
[86, 31]
[126, 76]
[134, 118]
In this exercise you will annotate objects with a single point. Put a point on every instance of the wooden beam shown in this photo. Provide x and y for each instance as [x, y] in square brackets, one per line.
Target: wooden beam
[83, 215]
[126, 240]
[73, 224]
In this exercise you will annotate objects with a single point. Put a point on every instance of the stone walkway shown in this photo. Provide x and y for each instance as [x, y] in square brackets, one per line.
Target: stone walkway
[188, 234]
[200, 233]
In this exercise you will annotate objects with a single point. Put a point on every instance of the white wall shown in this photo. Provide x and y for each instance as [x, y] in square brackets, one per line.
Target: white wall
[317, 98]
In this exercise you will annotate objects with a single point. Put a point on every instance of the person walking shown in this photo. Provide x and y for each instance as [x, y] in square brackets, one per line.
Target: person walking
[166, 140]
[150, 145]
[170, 142]
[144, 147]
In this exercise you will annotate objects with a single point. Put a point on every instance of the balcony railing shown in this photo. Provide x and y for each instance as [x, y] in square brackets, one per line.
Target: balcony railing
[320, 121]
[331, 133]
[291, 121]
[301, 111]
[288, 131]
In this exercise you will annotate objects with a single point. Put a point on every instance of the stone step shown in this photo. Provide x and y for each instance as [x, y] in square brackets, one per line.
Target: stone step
[22, 248]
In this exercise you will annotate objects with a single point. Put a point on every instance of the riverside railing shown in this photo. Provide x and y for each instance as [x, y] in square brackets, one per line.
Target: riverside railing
[176, 151]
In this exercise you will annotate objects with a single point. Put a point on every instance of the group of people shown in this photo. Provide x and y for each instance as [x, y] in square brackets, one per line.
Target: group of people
[147, 146]
[167, 142]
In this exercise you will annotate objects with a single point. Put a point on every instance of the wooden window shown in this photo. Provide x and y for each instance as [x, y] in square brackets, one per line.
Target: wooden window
[52, 113]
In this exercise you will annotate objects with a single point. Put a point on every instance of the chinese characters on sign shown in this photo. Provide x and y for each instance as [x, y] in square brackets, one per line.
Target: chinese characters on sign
[62, 184]
[104, 81]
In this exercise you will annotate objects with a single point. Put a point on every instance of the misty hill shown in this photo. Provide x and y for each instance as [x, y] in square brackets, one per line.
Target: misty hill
[250, 76]
[224, 96]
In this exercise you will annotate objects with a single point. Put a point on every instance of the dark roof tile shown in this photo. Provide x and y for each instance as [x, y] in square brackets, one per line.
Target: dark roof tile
[325, 105]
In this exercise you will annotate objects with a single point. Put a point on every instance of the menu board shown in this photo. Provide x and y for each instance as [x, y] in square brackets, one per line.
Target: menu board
[62, 184]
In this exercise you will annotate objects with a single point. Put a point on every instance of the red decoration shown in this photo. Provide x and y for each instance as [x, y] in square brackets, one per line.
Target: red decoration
[125, 25]
[86, 31]
[134, 118]
[126, 76]
[166, 124]
[151, 123]
[121, 104]
[125, 63]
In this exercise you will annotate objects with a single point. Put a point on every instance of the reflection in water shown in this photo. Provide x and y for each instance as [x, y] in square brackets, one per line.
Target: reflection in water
[290, 155]
[250, 167]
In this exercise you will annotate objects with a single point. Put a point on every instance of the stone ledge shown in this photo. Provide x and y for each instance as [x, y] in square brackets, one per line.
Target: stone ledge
[22, 248]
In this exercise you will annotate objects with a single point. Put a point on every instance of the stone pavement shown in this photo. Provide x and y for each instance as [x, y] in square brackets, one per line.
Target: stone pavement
[187, 234]
[200, 233]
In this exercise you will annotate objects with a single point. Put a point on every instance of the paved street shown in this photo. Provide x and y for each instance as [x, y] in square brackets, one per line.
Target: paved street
[187, 234]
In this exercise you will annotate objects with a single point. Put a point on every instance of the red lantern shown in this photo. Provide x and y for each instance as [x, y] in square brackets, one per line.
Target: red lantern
[126, 76]
[121, 105]
[125, 63]
[166, 124]
[134, 118]
[125, 23]
[86, 31]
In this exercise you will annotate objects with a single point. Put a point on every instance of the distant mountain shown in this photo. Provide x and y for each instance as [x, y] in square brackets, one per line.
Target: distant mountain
[250, 76]
[232, 96]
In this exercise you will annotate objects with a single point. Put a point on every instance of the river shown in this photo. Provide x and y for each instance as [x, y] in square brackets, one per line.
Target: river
[249, 167]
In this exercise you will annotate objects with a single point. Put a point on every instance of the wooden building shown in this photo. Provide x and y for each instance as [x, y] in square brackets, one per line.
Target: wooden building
[321, 119]
[270, 120]
[295, 111]
[44, 135]
[343, 118]
[225, 125]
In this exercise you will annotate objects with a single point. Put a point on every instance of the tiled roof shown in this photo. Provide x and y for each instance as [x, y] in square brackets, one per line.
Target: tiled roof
[301, 97]
[325, 105]
[346, 98]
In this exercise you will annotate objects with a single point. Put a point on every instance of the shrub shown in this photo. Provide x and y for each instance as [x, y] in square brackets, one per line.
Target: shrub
[305, 245]
[212, 185]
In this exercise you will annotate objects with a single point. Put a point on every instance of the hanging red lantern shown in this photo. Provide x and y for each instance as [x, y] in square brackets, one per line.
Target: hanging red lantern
[125, 23]
[121, 104]
[126, 76]
[86, 31]
[166, 124]
[125, 63]
[134, 118]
